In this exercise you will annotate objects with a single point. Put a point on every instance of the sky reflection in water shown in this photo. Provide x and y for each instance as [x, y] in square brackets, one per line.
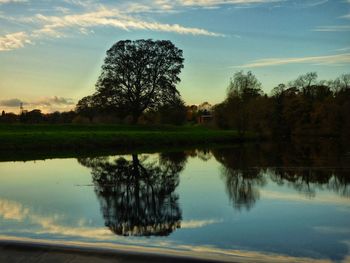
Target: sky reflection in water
[257, 200]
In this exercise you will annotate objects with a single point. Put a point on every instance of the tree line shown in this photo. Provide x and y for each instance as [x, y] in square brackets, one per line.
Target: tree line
[305, 106]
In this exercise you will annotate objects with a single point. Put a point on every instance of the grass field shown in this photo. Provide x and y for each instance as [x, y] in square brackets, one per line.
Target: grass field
[100, 137]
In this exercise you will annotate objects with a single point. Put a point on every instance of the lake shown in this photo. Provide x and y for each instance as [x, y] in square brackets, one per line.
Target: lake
[282, 202]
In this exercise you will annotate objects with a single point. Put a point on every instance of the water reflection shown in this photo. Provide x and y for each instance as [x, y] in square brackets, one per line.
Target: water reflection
[137, 193]
[137, 196]
[304, 167]
[299, 191]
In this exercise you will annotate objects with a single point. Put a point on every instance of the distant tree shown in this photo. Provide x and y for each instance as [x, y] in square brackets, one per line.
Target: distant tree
[341, 83]
[33, 116]
[243, 89]
[244, 86]
[9, 118]
[305, 81]
[140, 75]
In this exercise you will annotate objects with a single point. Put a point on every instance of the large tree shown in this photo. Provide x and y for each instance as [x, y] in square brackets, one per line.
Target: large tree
[140, 75]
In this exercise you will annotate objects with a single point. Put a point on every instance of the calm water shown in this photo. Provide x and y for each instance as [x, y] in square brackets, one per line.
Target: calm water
[285, 202]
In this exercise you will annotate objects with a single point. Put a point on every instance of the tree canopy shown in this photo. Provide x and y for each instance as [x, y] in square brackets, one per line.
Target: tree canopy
[139, 75]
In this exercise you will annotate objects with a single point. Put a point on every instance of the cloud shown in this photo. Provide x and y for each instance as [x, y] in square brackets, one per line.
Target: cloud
[57, 26]
[12, 210]
[94, 14]
[339, 59]
[14, 41]
[204, 3]
[112, 18]
[339, 28]
[45, 104]
[342, 49]
[321, 199]
[181, 5]
[314, 3]
[346, 16]
[53, 101]
[11, 103]
[11, 1]
[332, 230]
[199, 223]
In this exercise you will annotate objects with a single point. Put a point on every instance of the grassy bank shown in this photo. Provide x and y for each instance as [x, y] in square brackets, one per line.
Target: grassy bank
[79, 138]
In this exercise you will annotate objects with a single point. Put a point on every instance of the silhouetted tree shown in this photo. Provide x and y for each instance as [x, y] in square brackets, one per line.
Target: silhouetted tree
[33, 116]
[140, 75]
[236, 111]
[244, 86]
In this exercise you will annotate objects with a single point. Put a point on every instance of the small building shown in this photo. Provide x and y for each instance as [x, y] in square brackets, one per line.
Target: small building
[205, 118]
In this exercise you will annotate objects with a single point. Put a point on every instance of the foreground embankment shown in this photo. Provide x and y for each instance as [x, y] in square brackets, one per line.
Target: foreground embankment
[17, 252]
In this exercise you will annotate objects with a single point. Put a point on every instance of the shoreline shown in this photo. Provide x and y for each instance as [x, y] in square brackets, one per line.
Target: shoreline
[13, 250]
[18, 250]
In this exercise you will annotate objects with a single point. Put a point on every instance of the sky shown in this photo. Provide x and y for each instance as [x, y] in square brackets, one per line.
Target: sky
[51, 51]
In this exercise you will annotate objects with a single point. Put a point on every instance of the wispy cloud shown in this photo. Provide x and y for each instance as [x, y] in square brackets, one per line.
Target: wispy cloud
[339, 59]
[101, 16]
[320, 199]
[338, 28]
[11, 1]
[199, 223]
[14, 41]
[223, 2]
[112, 18]
[346, 16]
[314, 3]
[332, 230]
[342, 49]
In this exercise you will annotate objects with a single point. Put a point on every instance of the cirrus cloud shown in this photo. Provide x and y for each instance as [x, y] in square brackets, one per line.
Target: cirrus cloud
[339, 59]
[99, 16]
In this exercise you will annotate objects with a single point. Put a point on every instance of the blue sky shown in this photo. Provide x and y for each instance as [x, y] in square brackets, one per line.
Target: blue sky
[51, 51]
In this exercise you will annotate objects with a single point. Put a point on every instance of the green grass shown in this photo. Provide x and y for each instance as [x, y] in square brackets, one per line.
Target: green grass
[102, 137]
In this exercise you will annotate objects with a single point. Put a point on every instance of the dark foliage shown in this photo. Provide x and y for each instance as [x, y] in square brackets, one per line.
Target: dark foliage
[137, 76]
[305, 106]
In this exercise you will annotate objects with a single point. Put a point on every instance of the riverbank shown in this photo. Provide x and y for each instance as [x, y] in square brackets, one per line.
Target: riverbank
[16, 252]
[14, 138]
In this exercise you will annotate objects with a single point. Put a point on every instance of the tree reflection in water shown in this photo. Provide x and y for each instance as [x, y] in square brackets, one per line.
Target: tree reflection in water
[137, 193]
[138, 196]
[304, 167]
